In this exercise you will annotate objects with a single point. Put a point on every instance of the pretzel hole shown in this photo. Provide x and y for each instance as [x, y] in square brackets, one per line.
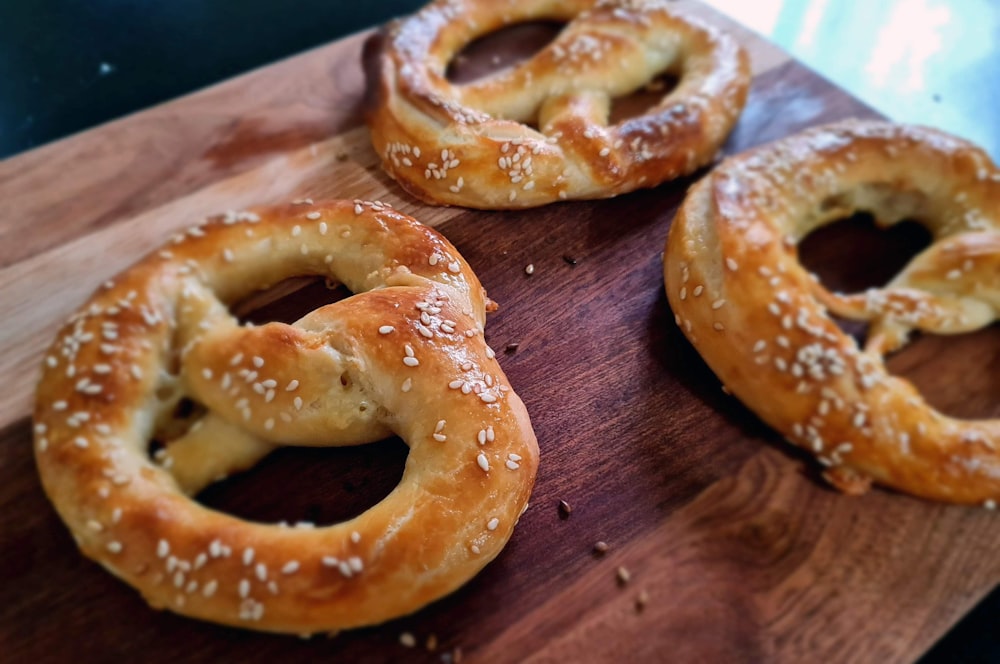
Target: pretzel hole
[502, 49]
[288, 300]
[332, 484]
[958, 375]
[174, 422]
[642, 100]
[854, 254]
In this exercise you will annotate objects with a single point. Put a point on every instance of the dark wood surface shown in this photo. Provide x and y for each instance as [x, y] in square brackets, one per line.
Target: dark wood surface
[743, 553]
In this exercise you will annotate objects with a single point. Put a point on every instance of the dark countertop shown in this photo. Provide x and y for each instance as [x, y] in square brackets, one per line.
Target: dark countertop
[70, 65]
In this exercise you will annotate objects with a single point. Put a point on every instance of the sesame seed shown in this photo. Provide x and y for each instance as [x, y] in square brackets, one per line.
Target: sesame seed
[209, 588]
[258, 361]
[312, 215]
[269, 423]
[206, 373]
[407, 640]
[623, 575]
[355, 564]
[732, 264]
[114, 547]
[163, 548]
[355, 537]
[261, 571]
[438, 427]
[297, 402]
[81, 442]
[244, 588]
[483, 462]
[486, 397]
[292, 385]
[718, 304]
[407, 384]
[291, 567]
[330, 561]
[440, 437]
[248, 554]
[492, 524]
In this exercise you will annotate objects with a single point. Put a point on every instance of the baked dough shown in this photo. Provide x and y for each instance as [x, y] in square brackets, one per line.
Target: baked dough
[762, 323]
[404, 356]
[476, 145]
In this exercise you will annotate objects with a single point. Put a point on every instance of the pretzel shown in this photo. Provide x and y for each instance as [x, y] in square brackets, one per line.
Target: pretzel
[403, 356]
[762, 322]
[473, 145]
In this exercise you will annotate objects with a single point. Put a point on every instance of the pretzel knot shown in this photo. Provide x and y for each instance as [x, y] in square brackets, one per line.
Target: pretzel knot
[761, 320]
[403, 356]
[475, 145]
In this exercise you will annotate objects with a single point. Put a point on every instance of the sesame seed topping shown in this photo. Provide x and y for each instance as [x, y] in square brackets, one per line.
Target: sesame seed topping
[483, 462]
[492, 524]
[312, 215]
[355, 537]
[407, 384]
[162, 548]
[115, 546]
[248, 554]
[291, 567]
[732, 264]
[261, 571]
[407, 640]
[244, 588]
[292, 386]
[486, 397]
[258, 362]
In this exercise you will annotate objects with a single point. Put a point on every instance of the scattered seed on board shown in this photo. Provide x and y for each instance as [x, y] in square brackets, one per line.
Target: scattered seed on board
[564, 510]
[600, 548]
[623, 576]
[407, 639]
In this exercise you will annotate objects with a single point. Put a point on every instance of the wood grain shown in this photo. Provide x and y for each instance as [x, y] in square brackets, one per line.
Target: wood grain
[744, 555]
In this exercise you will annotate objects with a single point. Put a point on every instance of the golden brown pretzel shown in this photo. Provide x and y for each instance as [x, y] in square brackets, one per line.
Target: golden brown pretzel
[760, 320]
[472, 145]
[406, 355]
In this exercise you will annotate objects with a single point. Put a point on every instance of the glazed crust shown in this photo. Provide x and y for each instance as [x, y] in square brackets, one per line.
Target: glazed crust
[472, 145]
[404, 356]
[762, 322]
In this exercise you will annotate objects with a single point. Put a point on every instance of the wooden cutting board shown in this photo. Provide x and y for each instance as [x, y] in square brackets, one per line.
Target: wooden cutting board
[743, 553]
